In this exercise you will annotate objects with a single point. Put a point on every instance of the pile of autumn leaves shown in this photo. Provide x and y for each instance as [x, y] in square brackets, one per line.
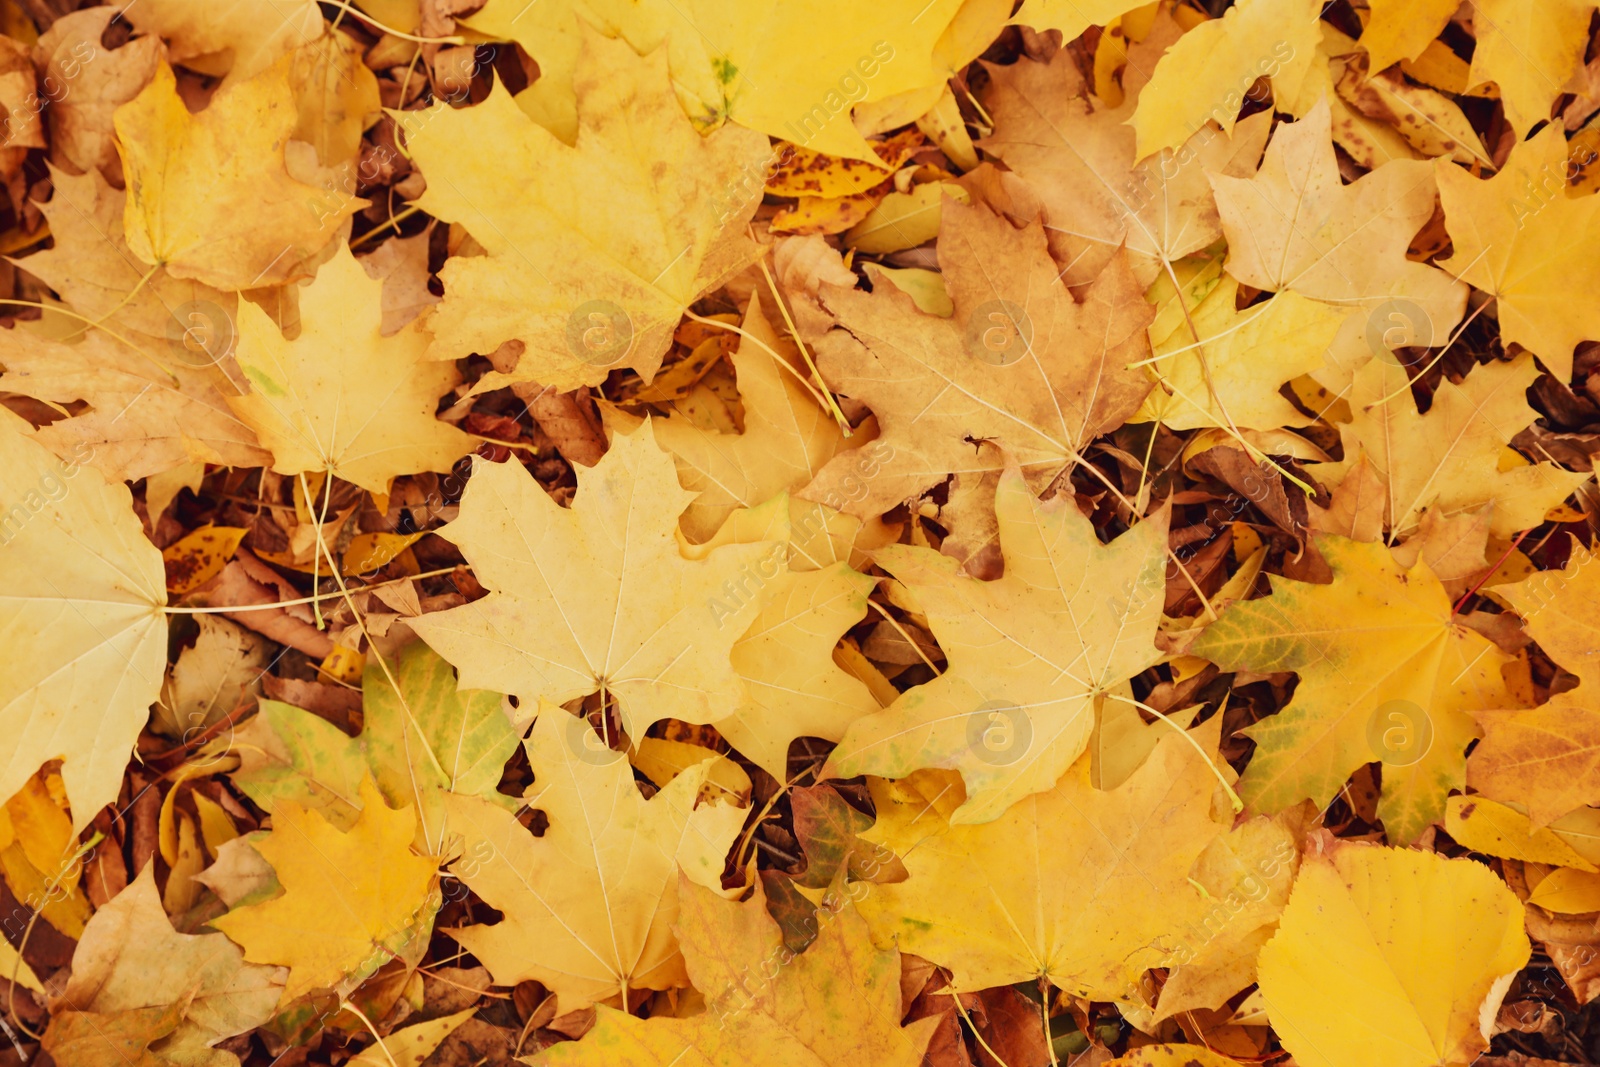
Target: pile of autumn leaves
[1147, 258]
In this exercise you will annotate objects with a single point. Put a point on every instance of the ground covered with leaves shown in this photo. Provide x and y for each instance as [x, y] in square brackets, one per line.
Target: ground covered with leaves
[697, 532]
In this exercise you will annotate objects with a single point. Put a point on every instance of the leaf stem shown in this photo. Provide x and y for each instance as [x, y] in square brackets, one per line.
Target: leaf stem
[120, 305]
[805, 354]
[901, 630]
[823, 400]
[961, 1009]
[394, 220]
[1233, 798]
[1044, 1014]
[350, 1007]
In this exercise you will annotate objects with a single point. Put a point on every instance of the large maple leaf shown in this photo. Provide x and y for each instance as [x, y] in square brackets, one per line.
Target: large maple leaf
[1031, 654]
[1084, 887]
[85, 636]
[1448, 461]
[349, 898]
[1521, 240]
[340, 396]
[1058, 378]
[599, 598]
[836, 1005]
[590, 903]
[594, 251]
[209, 196]
[1295, 225]
[1380, 656]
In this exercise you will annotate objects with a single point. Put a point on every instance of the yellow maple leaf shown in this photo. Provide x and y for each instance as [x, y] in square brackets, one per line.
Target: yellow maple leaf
[593, 251]
[1447, 462]
[590, 904]
[1390, 956]
[1031, 655]
[1232, 374]
[1402, 29]
[209, 197]
[1519, 237]
[835, 1005]
[793, 688]
[1204, 76]
[341, 397]
[1386, 673]
[1085, 887]
[83, 592]
[599, 598]
[1295, 225]
[1529, 51]
[348, 897]
[90, 265]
